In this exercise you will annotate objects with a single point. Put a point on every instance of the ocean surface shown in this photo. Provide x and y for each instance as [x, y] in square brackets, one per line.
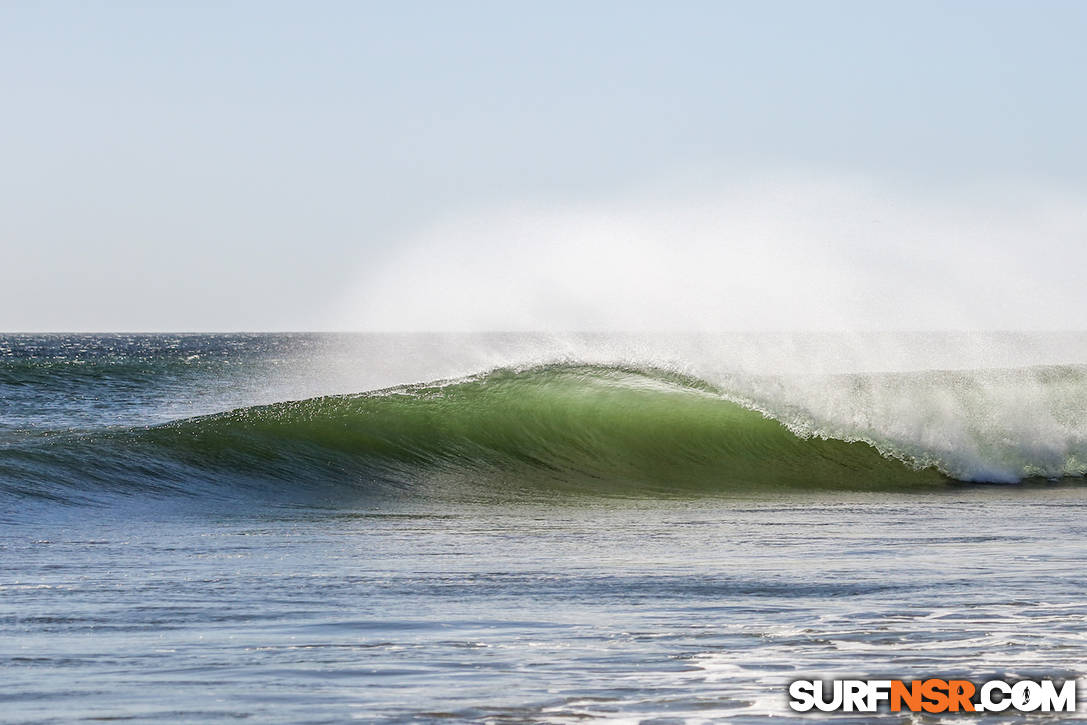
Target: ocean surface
[532, 528]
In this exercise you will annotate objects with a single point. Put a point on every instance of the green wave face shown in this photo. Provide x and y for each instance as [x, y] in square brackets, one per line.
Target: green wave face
[579, 427]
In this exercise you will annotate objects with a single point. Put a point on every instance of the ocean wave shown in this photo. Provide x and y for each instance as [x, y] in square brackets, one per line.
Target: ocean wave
[583, 428]
[562, 427]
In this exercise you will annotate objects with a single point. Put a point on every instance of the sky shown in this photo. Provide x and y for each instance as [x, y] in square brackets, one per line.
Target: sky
[529, 165]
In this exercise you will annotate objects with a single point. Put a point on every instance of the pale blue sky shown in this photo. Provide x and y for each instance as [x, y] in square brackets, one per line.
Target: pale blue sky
[250, 165]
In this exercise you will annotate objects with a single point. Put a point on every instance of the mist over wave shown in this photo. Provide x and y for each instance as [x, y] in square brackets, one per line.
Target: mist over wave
[795, 251]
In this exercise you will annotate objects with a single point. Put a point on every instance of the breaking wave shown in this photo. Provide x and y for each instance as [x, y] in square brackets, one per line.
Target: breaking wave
[560, 427]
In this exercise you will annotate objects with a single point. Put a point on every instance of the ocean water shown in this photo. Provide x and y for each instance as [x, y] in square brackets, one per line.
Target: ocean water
[531, 528]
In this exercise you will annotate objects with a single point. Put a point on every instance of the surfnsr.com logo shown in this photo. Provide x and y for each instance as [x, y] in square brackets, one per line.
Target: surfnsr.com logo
[932, 695]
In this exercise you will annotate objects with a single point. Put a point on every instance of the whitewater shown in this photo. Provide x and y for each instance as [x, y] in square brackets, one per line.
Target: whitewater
[531, 527]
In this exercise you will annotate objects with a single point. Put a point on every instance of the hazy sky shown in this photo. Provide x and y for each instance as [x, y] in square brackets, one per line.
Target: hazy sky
[467, 165]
